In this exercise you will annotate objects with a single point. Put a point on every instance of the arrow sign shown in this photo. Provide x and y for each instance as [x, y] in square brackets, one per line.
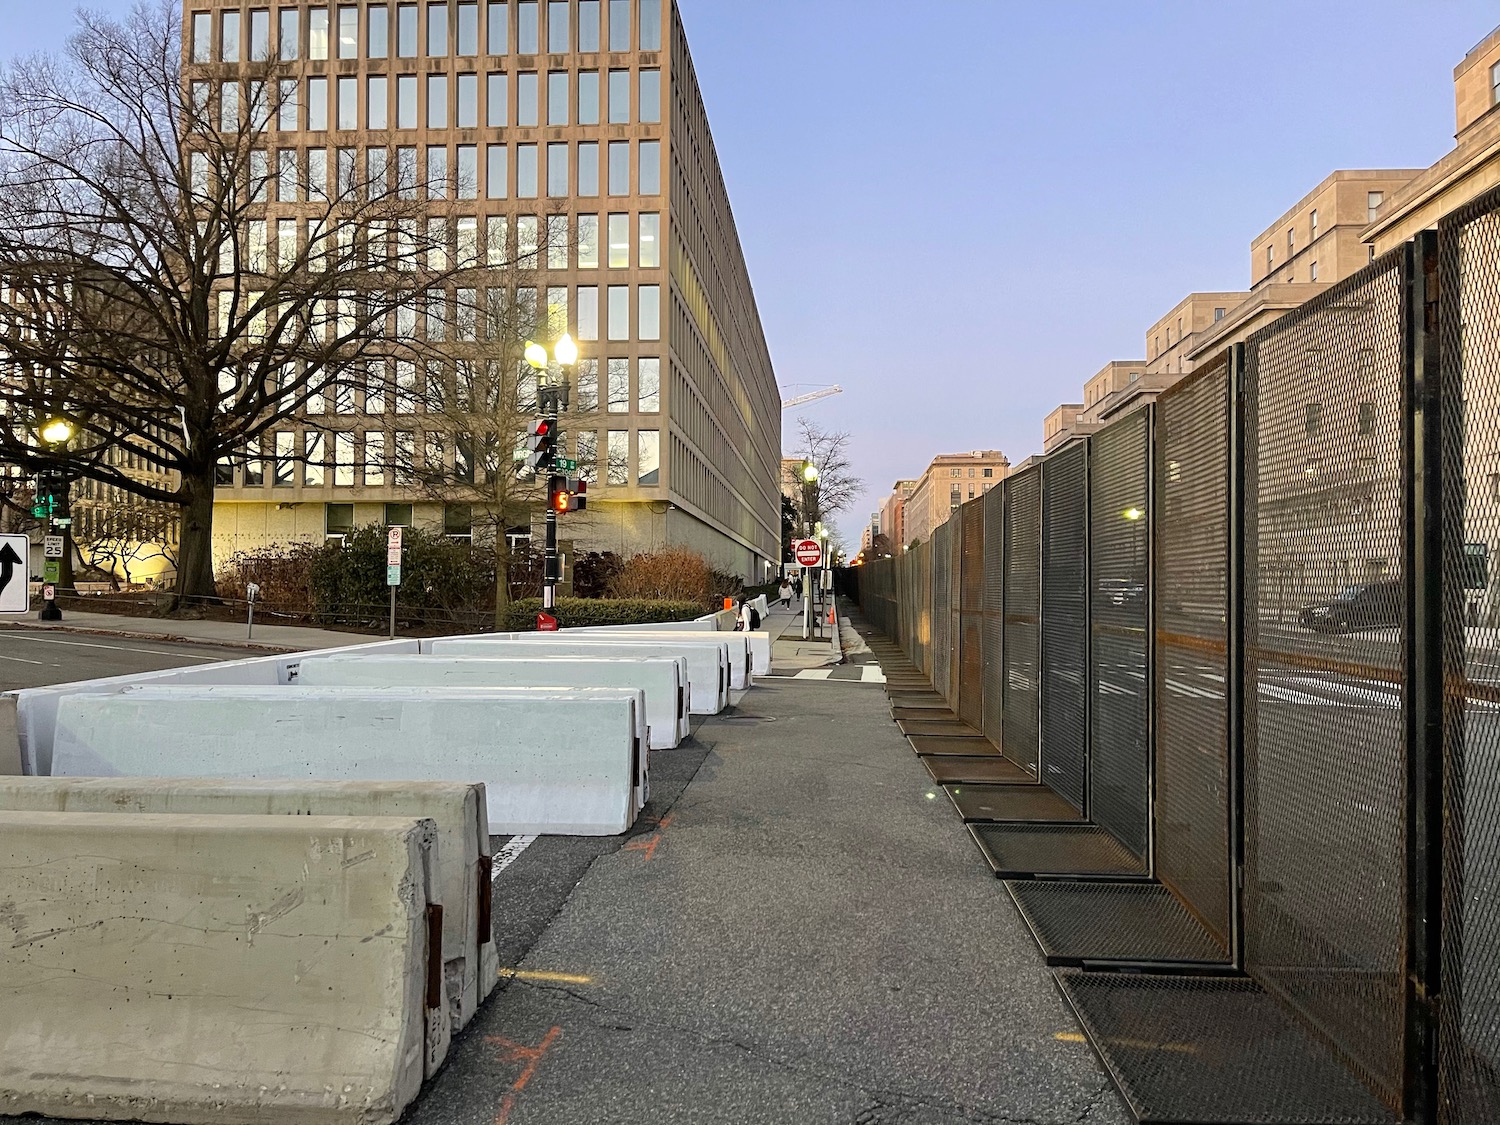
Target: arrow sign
[14, 596]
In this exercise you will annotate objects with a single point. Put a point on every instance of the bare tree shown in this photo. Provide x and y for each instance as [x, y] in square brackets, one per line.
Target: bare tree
[836, 487]
[174, 283]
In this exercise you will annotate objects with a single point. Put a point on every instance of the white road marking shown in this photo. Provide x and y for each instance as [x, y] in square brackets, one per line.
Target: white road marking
[509, 854]
[871, 674]
[814, 674]
[122, 648]
[23, 660]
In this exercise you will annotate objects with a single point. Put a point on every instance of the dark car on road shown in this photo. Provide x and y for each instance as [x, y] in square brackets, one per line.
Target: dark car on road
[1374, 605]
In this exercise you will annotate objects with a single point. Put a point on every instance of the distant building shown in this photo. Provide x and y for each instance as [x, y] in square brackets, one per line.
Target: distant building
[893, 513]
[951, 479]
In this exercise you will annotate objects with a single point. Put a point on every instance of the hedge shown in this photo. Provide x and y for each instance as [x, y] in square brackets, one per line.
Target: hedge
[574, 612]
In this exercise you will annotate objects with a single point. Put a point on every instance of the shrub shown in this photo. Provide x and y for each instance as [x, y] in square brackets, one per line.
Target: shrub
[576, 612]
[283, 573]
[673, 573]
[593, 572]
[443, 581]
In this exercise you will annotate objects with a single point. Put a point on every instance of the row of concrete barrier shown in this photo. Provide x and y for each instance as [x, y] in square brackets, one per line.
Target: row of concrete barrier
[205, 959]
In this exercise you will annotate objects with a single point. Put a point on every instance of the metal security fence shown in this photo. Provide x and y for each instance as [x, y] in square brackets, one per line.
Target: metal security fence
[1194, 783]
[1120, 630]
[1065, 555]
[1469, 285]
[1242, 650]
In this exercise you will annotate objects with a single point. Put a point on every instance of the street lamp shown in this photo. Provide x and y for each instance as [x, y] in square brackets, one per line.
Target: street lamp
[56, 432]
[552, 400]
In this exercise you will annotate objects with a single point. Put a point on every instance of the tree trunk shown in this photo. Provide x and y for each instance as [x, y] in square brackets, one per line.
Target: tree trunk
[195, 554]
[502, 578]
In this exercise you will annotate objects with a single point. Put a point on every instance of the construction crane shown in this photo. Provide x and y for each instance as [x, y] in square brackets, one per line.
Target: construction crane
[811, 396]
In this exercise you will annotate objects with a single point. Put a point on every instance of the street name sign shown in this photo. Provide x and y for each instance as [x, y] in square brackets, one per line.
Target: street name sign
[14, 595]
[807, 552]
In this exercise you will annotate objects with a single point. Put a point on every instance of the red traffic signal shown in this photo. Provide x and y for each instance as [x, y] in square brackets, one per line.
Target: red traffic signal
[541, 428]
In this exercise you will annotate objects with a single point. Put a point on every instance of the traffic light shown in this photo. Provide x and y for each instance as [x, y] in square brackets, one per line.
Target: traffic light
[558, 497]
[51, 490]
[580, 495]
[541, 443]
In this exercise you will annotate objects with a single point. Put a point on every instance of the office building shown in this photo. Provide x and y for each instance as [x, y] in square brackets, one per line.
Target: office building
[952, 479]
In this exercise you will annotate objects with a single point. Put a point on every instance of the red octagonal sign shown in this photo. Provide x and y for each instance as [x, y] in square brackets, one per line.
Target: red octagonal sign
[807, 552]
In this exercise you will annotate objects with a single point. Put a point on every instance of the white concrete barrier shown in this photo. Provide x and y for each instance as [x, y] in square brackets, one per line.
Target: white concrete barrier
[663, 681]
[737, 648]
[564, 762]
[37, 707]
[457, 810]
[707, 667]
[235, 969]
[758, 640]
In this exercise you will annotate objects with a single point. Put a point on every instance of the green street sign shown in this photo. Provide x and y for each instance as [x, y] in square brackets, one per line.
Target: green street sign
[52, 570]
[393, 576]
[40, 511]
[566, 464]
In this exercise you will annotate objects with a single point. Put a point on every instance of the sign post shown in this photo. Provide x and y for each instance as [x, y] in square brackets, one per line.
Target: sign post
[393, 571]
[809, 554]
[14, 595]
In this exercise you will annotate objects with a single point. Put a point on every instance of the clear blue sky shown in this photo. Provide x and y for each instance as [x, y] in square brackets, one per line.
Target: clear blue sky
[961, 209]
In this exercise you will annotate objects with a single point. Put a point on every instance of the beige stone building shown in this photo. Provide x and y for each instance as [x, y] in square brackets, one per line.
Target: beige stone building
[530, 112]
[951, 480]
[893, 513]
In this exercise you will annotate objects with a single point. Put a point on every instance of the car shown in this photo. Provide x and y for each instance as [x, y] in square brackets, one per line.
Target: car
[1372, 605]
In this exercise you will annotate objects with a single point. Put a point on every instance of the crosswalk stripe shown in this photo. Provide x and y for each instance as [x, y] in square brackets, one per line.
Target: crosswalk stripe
[814, 674]
[871, 674]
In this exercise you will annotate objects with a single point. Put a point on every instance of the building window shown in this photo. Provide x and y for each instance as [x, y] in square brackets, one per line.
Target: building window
[375, 104]
[312, 452]
[1218, 315]
[617, 469]
[406, 31]
[348, 110]
[437, 31]
[619, 167]
[956, 472]
[526, 171]
[648, 458]
[468, 30]
[971, 470]
[650, 96]
[557, 170]
[650, 174]
[437, 173]
[260, 35]
[588, 26]
[348, 32]
[1312, 418]
[317, 104]
[467, 87]
[496, 172]
[437, 101]
[1270, 258]
[1313, 223]
[648, 312]
[588, 385]
[617, 388]
[1291, 243]
[527, 41]
[619, 97]
[619, 242]
[406, 101]
[557, 97]
[619, 25]
[288, 38]
[588, 97]
[1312, 272]
[398, 515]
[203, 37]
[955, 498]
[648, 386]
[557, 27]
[588, 168]
[650, 241]
[377, 31]
[317, 33]
[497, 27]
[255, 475]
[650, 25]
[343, 465]
[588, 312]
[1373, 200]
[338, 520]
[496, 101]
[229, 36]
[619, 312]
[1495, 84]
[526, 98]
[989, 472]
[588, 241]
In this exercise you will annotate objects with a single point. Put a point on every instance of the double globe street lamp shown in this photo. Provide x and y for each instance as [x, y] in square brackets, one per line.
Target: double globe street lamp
[52, 505]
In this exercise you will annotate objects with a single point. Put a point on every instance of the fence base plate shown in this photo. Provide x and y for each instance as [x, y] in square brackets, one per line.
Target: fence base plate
[970, 767]
[1024, 851]
[1077, 923]
[933, 712]
[1010, 802]
[1212, 1051]
[976, 746]
[938, 728]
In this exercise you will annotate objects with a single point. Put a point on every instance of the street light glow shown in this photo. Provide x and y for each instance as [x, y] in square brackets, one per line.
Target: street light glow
[535, 354]
[57, 432]
[566, 351]
[1133, 514]
[809, 472]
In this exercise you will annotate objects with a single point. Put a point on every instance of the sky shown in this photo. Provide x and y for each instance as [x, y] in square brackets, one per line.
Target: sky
[959, 210]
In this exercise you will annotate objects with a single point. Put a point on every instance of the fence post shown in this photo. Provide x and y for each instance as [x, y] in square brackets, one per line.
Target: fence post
[1424, 672]
[1234, 667]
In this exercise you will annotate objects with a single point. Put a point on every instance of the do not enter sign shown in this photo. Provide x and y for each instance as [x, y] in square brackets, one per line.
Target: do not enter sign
[807, 552]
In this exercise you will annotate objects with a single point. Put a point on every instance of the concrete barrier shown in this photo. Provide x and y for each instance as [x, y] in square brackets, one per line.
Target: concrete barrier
[37, 707]
[234, 969]
[662, 681]
[564, 762]
[737, 648]
[10, 737]
[707, 667]
[759, 641]
[456, 809]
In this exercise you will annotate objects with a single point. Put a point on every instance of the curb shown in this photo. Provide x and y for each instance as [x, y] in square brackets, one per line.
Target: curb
[169, 638]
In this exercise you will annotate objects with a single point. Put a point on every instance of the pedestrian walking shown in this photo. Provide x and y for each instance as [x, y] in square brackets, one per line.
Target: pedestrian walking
[797, 587]
[784, 593]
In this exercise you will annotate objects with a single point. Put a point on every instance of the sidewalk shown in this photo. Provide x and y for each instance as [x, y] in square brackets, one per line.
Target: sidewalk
[789, 652]
[225, 634]
[807, 936]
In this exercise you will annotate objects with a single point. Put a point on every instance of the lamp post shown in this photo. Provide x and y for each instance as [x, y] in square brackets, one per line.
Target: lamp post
[553, 400]
[56, 433]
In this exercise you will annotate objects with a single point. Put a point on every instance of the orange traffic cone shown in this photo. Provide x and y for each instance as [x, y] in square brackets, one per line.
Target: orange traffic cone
[830, 615]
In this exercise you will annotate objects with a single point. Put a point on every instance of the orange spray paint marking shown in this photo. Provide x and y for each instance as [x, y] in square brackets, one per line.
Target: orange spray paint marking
[647, 845]
[512, 1052]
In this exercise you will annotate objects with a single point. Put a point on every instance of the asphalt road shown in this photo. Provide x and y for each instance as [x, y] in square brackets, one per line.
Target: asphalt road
[30, 658]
